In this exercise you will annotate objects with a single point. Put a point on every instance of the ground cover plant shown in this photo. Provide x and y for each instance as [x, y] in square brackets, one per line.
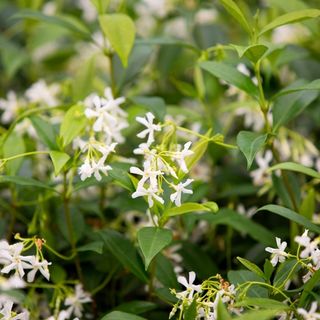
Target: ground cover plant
[159, 159]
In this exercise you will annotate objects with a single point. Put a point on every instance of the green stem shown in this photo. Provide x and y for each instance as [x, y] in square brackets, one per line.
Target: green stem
[69, 226]
[61, 256]
[105, 282]
[21, 155]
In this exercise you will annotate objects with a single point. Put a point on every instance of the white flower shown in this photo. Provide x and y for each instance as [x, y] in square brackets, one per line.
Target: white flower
[180, 156]
[36, 265]
[76, 301]
[99, 166]
[148, 173]
[311, 314]
[6, 313]
[151, 127]
[85, 170]
[311, 247]
[180, 188]
[190, 287]
[14, 282]
[10, 107]
[41, 93]
[150, 193]
[260, 175]
[14, 259]
[278, 254]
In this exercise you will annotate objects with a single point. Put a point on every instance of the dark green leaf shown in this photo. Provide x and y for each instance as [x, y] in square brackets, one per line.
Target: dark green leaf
[231, 75]
[125, 252]
[222, 312]
[308, 287]
[96, 246]
[136, 306]
[151, 241]
[119, 315]
[155, 104]
[259, 314]
[285, 272]
[191, 312]
[251, 266]
[262, 303]
[291, 215]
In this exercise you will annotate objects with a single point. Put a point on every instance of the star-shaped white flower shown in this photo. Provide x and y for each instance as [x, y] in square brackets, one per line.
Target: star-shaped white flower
[150, 193]
[190, 287]
[151, 127]
[310, 246]
[85, 170]
[36, 265]
[180, 188]
[100, 166]
[180, 156]
[148, 173]
[278, 254]
[311, 314]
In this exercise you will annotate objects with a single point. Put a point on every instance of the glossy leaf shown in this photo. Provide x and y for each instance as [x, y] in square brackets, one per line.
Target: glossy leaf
[259, 314]
[250, 143]
[190, 207]
[59, 159]
[290, 17]
[125, 252]
[119, 315]
[73, 123]
[120, 31]
[151, 241]
[251, 266]
[254, 52]
[292, 216]
[231, 75]
[235, 11]
[262, 303]
[297, 167]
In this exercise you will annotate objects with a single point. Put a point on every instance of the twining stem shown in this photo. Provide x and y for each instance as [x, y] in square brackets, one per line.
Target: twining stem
[66, 206]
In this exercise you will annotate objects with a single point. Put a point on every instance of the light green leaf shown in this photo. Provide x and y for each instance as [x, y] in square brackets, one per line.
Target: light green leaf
[292, 216]
[308, 207]
[125, 252]
[45, 131]
[251, 266]
[120, 31]
[14, 145]
[290, 17]
[231, 75]
[151, 241]
[259, 314]
[314, 85]
[67, 22]
[24, 181]
[235, 11]
[96, 246]
[59, 159]
[119, 315]
[222, 312]
[297, 167]
[73, 123]
[250, 143]
[254, 52]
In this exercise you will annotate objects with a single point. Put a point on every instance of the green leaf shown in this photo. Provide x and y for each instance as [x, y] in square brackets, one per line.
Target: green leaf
[136, 306]
[259, 314]
[151, 241]
[254, 52]
[241, 224]
[96, 246]
[285, 272]
[73, 123]
[59, 159]
[251, 266]
[24, 181]
[222, 312]
[155, 104]
[14, 145]
[314, 85]
[190, 207]
[119, 315]
[191, 311]
[290, 17]
[121, 177]
[125, 252]
[45, 131]
[67, 22]
[250, 143]
[165, 272]
[291, 215]
[314, 281]
[262, 303]
[235, 11]
[297, 167]
[231, 75]
[288, 107]
[83, 80]
[307, 208]
[120, 31]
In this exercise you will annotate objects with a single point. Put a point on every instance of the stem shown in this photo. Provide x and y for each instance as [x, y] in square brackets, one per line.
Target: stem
[21, 155]
[104, 283]
[69, 226]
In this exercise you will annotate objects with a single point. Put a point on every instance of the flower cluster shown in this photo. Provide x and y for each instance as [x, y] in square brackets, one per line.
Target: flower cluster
[160, 163]
[207, 295]
[107, 121]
